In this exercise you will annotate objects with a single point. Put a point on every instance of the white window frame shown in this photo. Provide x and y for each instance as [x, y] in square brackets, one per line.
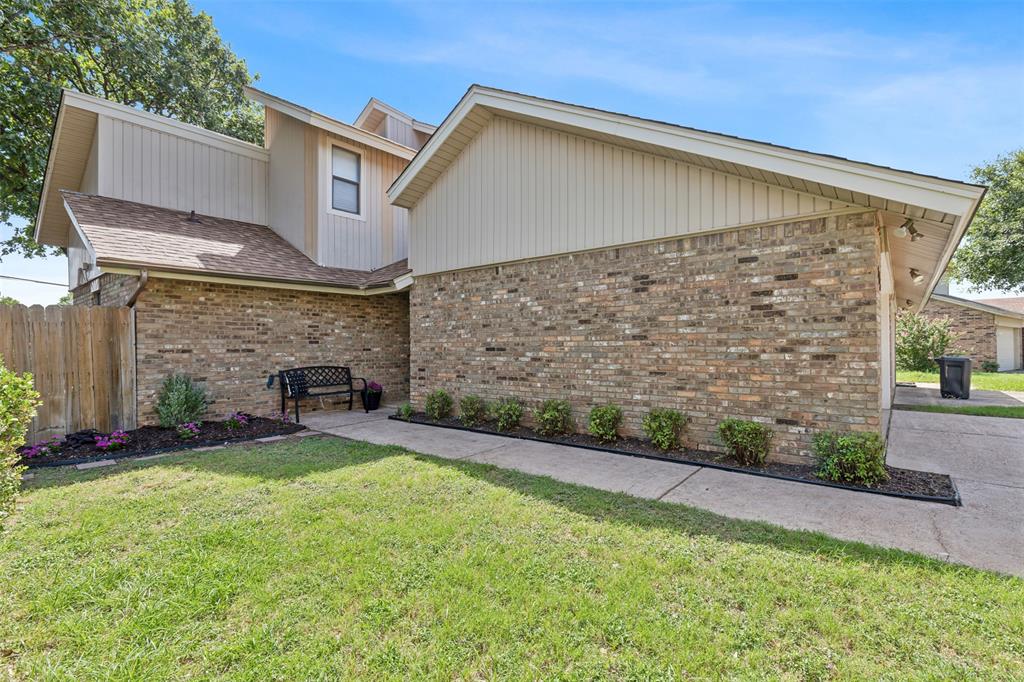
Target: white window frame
[329, 176]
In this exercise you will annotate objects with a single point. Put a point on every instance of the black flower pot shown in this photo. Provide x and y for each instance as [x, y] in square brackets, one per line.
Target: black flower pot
[371, 399]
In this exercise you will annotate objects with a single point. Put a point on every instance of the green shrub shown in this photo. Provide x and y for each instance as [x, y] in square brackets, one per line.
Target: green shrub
[851, 458]
[473, 410]
[919, 339]
[604, 423]
[438, 405]
[405, 412]
[509, 412]
[665, 428]
[746, 441]
[553, 417]
[179, 401]
[989, 366]
[18, 402]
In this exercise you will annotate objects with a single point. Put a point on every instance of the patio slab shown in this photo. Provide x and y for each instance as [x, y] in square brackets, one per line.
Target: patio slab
[984, 455]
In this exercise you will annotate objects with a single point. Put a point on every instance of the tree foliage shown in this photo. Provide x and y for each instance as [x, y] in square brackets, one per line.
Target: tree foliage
[8, 300]
[992, 255]
[157, 55]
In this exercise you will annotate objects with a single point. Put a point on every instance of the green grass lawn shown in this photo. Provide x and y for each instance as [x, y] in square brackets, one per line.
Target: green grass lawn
[994, 381]
[327, 559]
[975, 410]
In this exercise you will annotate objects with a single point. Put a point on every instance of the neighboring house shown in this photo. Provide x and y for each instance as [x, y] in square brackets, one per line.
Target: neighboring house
[294, 255]
[988, 330]
[554, 251]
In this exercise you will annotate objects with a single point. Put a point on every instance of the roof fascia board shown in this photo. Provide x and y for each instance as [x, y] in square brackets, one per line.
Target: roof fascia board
[163, 123]
[383, 107]
[927, 192]
[939, 195]
[975, 305]
[329, 124]
[50, 160]
[78, 229]
[421, 127]
[426, 152]
[955, 236]
[118, 269]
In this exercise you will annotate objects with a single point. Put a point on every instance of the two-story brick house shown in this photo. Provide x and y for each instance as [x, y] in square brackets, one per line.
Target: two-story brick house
[526, 247]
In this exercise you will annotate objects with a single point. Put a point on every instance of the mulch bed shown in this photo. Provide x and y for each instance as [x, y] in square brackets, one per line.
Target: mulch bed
[908, 483]
[80, 447]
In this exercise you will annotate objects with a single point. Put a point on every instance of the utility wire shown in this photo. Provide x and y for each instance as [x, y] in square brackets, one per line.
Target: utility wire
[34, 281]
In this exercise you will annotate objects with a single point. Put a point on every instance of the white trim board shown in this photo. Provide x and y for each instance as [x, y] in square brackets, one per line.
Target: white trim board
[946, 196]
[164, 124]
[316, 120]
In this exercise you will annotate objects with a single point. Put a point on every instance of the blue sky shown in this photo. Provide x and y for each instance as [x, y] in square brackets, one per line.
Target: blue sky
[929, 87]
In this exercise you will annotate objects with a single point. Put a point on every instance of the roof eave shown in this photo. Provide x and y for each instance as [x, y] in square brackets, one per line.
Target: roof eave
[955, 237]
[939, 194]
[335, 126]
[121, 266]
[50, 158]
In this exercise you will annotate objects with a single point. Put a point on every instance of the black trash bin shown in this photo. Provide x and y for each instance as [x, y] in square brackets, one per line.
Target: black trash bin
[954, 376]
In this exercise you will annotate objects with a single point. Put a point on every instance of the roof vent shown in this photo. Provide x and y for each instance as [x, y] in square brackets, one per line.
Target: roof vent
[193, 219]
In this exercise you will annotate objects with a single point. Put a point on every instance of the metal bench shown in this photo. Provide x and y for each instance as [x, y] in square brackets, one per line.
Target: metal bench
[297, 383]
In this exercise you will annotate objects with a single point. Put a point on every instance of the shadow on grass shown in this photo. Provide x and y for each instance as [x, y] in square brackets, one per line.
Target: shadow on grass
[297, 459]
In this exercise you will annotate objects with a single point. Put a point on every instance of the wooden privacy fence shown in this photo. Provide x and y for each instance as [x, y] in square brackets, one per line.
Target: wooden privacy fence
[82, 360]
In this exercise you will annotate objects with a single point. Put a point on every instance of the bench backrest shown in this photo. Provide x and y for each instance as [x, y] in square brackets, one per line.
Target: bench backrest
[299, 380]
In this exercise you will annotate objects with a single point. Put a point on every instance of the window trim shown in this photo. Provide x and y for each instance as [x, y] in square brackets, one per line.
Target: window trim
[360, 194]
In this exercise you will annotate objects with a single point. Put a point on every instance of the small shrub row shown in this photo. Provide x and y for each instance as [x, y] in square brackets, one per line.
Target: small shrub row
[846, 458]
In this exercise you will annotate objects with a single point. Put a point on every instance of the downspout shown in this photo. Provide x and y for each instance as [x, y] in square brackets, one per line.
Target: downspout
[143, 280]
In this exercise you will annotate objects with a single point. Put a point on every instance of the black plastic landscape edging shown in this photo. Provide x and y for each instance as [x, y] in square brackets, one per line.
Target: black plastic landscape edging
[191, 445]
[952, 501]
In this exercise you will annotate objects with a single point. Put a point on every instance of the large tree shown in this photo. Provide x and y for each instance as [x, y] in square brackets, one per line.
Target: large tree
[158, 55]
[992, 255]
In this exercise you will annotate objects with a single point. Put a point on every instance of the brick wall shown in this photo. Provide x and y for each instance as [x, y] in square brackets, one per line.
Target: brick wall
[776, 323]
[231, 337]
[975, 330]
[107, 290]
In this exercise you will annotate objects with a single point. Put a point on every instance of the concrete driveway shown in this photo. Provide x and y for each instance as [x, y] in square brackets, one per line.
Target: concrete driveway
[983, 455]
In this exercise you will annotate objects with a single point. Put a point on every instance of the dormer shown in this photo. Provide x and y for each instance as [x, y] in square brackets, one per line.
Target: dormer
[385, 120]
[328, 181]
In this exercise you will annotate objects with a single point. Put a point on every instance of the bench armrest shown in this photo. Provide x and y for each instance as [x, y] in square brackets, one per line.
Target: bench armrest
[355, 379]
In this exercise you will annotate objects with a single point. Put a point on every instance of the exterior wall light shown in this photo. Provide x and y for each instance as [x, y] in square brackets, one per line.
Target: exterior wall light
[905, 228]
[917, 276]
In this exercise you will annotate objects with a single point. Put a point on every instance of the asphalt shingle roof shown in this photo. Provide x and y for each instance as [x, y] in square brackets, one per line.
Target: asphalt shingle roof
[134, 234]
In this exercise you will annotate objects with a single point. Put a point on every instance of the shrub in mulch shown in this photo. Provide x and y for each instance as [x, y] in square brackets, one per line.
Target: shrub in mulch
[900, 482]
[90, 444]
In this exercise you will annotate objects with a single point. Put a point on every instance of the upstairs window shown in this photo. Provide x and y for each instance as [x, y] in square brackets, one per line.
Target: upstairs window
[345, 182]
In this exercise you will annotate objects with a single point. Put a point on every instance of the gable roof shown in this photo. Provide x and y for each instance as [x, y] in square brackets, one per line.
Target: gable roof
[71, 144]
[375, 110]
[129, 234]
[986, 306]
[941, 208]
[329, 124]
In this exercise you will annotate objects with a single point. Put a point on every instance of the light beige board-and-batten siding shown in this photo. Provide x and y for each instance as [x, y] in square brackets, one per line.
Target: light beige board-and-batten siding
[380, 236]
[173, 171]
[519, 191]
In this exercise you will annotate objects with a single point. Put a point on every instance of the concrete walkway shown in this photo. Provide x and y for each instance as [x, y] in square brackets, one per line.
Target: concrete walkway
[984, 455]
